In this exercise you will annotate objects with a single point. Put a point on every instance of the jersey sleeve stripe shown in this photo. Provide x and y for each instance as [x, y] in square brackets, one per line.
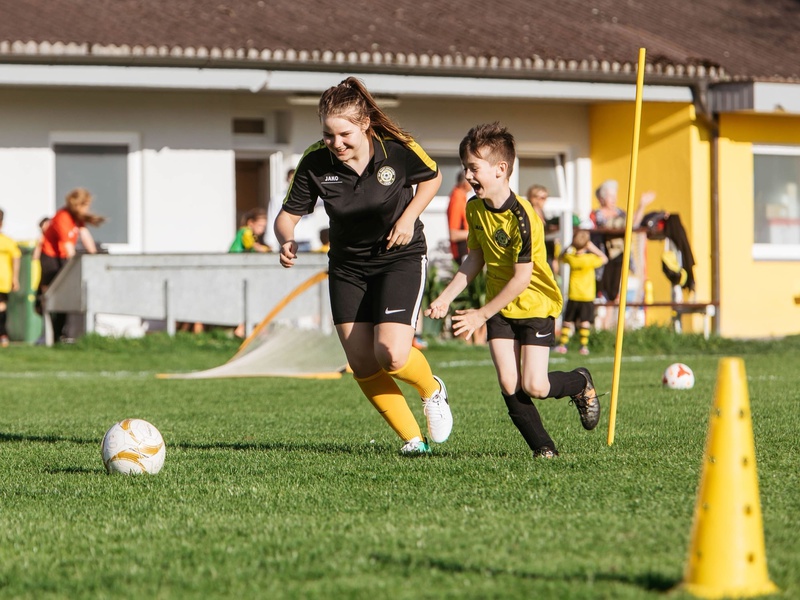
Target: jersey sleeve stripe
[524, 224]
[423, 156]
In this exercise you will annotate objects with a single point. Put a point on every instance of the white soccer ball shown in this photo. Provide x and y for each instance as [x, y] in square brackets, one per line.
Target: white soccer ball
[133, 446]
[678, 377]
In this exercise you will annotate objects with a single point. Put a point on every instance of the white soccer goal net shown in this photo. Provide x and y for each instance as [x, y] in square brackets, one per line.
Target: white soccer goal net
[296, 339]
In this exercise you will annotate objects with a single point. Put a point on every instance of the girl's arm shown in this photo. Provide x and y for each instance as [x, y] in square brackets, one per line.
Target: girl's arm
[88, 241]
[469, 269]
[403, 229]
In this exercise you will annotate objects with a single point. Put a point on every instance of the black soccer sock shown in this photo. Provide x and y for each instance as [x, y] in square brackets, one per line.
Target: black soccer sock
[565, 383]
[526, 419]
[3, 323]
[59, 321]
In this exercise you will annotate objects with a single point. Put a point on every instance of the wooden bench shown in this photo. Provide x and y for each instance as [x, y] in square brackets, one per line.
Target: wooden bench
[707, 309]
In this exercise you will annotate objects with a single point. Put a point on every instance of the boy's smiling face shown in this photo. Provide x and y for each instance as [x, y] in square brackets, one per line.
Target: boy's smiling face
[488, 180]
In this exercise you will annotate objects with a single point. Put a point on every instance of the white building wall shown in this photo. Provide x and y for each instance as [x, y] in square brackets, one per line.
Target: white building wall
[188, 151]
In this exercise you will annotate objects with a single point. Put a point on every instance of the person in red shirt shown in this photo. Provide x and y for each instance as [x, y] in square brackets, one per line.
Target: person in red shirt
[457, 218]
[60, 241]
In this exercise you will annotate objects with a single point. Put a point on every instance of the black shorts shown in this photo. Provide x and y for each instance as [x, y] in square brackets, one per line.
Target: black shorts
[528, 332]
[578, 312]
[377, 292]
[3, 297]
[608, 286]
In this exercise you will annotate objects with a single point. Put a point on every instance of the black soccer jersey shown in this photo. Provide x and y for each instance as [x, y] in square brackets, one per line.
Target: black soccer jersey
[362, 208]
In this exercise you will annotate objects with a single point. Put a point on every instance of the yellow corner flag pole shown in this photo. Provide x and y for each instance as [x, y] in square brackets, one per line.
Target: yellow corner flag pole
[626, 255]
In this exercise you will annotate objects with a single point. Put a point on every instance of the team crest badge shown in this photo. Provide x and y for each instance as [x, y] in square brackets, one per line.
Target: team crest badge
[502, 238]
[386, 176]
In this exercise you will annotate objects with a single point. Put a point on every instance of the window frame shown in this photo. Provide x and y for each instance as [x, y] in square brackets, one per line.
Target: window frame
[772, 252]
[134, 164]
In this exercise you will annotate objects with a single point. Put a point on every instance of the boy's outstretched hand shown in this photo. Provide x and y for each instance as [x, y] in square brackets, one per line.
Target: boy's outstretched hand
[467, 322]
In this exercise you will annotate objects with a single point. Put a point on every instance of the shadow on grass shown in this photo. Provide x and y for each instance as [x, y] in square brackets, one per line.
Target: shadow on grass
[651, 582]
[76, 471]
[266, 446]
[48, 439]
[314, 447]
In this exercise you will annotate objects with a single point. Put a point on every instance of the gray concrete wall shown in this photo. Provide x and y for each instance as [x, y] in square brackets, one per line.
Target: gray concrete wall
[223, 289]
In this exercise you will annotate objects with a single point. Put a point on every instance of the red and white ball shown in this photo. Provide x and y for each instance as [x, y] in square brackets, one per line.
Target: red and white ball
[133, 446]
[678, 376]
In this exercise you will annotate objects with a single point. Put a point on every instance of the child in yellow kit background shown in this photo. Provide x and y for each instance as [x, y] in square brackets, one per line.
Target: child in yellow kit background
[522, 297]
[9, 277]
[583, 258]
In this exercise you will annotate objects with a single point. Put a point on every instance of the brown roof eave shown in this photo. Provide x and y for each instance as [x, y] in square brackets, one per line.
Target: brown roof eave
[654, 74]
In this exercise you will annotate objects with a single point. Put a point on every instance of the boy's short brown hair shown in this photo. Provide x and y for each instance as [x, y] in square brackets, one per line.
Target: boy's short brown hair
[491, 142]
[580, 239]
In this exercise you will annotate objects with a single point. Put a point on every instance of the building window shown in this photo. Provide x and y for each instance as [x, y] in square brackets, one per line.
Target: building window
[776, 215]
[249, 126]
[103, 170]
[543, 171]
[109, 166]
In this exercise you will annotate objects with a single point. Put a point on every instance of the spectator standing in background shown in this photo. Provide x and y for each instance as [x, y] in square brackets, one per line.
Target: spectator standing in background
[537, 196]
[61, 237]
[457, 217]
[609, 224]
[9, 277]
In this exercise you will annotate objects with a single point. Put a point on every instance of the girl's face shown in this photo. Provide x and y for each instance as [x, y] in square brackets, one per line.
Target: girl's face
[345, 139]
[82, 208]
[484, 177]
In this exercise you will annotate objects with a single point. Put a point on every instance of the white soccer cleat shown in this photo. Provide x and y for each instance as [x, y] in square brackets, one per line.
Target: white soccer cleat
[415, 446]
[437, 412]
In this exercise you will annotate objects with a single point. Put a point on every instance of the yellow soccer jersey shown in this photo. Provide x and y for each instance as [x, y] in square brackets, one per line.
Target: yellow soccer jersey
[8, 252]
[508, 235]
[582, 283]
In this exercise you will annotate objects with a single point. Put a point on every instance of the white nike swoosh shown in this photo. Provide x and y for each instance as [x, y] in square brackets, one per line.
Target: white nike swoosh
[541, 336]
[396, 310]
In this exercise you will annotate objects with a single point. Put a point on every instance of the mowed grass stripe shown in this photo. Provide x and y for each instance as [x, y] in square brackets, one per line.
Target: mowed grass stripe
[280, 488]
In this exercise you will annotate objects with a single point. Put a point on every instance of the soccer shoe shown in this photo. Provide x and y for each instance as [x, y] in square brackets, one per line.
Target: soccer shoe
[584, 351]
[560, 349]
[4, 341]
[437, 412]
[545, 452]
[415, 447]
[587, 402]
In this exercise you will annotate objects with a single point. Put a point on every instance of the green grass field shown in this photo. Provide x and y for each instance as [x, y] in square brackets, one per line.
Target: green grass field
[294, 489]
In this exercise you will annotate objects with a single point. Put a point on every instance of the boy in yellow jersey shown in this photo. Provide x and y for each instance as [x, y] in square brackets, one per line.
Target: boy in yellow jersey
[522, 298]
[583, 258]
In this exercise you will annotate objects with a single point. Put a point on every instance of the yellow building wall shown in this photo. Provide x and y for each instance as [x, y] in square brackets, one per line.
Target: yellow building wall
[673, 161]
[756, 296]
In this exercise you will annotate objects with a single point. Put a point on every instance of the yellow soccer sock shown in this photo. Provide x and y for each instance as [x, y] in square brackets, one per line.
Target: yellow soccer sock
[566, 332]
[584, 335]
[389, 401]
[417, 372]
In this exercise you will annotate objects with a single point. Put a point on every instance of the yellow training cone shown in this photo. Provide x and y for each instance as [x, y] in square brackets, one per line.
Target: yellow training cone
[727, 558]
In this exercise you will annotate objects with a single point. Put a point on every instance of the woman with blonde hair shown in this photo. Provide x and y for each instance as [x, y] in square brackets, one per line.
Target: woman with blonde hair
[60, 241]
[364, 169]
